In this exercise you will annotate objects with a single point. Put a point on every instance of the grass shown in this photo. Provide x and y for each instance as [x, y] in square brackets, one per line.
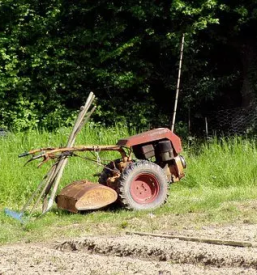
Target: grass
[219, 187]
[18, 182]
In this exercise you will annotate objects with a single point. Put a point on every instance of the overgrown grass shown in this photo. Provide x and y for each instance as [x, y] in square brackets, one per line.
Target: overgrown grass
[18, 182]
[219, 187]
[223, 163]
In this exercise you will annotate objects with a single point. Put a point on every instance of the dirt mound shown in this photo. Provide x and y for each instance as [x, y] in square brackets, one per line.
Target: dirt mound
[160, 249]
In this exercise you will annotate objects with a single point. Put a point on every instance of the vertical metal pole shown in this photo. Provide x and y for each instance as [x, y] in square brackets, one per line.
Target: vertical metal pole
[178, 83]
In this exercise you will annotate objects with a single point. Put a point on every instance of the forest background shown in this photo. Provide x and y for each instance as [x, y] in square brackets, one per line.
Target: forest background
[54, 52]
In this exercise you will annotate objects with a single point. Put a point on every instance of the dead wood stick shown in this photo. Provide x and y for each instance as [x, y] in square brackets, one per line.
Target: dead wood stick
[80, 119]
[200, 240]
[55, 172]
[63, 160]
[43, 182]
[47, 179]
[85, 120]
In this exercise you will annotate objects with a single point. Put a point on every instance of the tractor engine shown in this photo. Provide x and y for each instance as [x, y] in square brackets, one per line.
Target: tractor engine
[160, 146]
[162, 153]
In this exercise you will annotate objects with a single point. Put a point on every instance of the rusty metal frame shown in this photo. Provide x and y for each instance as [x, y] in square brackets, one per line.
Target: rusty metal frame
[49, 153]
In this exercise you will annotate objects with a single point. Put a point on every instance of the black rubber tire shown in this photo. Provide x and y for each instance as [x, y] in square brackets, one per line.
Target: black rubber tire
[130, 175]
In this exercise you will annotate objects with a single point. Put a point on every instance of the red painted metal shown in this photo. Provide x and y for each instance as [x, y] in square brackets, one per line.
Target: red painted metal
[150, 136]
[144, 188]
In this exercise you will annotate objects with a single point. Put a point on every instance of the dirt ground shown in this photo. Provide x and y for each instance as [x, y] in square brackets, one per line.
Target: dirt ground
[133, 254]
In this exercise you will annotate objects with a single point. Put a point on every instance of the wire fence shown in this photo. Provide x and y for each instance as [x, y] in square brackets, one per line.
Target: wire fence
[226, 122]
[236, 121]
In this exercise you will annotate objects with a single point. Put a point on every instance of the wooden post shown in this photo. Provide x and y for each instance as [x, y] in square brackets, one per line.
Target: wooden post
[206, 128]
[178, 83]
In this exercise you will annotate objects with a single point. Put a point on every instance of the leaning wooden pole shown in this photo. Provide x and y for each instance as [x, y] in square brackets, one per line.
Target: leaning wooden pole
[178, 83]
[53, 177]
[81, 120]
[51, 180]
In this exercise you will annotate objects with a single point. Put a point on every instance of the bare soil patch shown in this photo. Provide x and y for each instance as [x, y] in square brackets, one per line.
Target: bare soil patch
[132, 254]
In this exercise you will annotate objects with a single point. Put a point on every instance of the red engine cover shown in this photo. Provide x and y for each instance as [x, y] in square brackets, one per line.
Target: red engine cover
[152, 135]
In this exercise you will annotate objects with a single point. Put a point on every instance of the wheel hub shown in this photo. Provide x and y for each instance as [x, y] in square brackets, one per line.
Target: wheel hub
[144, 188]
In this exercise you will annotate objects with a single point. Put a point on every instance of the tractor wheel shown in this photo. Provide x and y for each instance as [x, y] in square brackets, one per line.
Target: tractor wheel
[143, 185]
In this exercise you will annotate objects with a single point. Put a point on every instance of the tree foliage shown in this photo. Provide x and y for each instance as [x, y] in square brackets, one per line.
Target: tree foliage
[52, 53]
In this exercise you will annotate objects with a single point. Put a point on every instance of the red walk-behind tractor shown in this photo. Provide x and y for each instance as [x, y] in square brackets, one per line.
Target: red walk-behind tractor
[140, 182]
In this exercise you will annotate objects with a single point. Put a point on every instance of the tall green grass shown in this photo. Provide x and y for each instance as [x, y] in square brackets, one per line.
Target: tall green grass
[220, 172]
[223, 164]
[17, 182]
[219, 186]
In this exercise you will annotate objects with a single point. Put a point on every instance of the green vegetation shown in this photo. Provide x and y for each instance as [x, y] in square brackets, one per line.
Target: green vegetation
[219, 187]
[53, 53]
[17, 181]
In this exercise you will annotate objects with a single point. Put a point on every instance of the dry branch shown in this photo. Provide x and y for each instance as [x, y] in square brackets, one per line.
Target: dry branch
[196, 239]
